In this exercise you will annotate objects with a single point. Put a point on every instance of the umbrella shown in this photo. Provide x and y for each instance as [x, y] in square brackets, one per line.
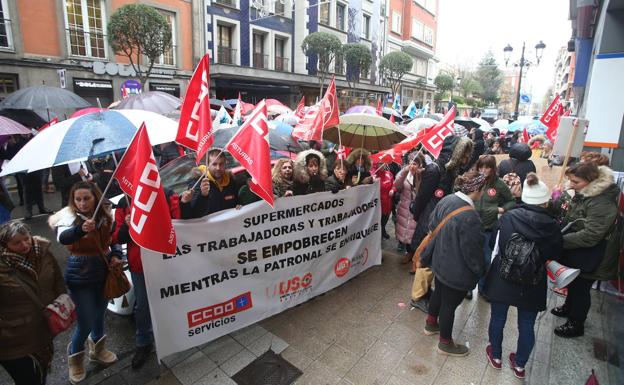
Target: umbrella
[154, 101]
[175, 114]
[217, 102]
[89, 135]
[28, 118]
[11, 127]
[466, 122]
[280, 138]
[501, 124]
[420, 123]
[361, 109]
[483, 124]
[368, 131]
[289, 118]
[389, 111]
[88, 110]
[533, 126]
[460, 130]
[43, 98]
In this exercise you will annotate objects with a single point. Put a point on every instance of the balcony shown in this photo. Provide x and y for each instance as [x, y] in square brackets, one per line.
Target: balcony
[227, 55]
[281, 64]
[260, 60]
[229, 3]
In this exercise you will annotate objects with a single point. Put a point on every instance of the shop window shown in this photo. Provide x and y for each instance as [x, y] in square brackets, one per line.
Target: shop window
[8, 84]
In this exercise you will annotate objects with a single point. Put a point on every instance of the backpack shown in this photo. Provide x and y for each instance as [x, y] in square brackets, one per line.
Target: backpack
[513, 181]
[521, 262]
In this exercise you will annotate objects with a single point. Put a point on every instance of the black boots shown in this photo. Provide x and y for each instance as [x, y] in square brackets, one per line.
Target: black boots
[560, 311]
[140, 355]
[570, 329]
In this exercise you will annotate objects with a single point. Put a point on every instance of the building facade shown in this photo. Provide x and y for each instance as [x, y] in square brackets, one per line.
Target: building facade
[564, 76]
[412, 28]
[64, 43]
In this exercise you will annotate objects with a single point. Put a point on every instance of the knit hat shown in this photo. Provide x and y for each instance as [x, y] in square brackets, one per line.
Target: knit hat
[535, 192]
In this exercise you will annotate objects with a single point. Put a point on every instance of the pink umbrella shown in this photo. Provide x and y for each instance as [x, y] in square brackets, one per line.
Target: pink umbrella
[11, 127]
[88, 110]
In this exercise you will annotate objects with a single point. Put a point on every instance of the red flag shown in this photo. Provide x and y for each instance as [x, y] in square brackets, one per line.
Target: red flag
[195, 126]
[410, 142]
[300, 111]
[525, 135]
[329, 106]
[311, 126]
[387, 156]
[551, 118]
[250, 146]
[433, 139]
[50, 123]
[341, 153]
[137, 173]
[379, 109]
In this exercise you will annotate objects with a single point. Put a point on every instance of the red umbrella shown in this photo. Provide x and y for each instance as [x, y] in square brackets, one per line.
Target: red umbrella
[88, 110]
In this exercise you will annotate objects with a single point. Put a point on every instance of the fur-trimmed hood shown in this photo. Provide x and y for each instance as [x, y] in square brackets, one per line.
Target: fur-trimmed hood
[598, 186]
[355, 155]
[453, 149]
[300, 172]
[67, 217]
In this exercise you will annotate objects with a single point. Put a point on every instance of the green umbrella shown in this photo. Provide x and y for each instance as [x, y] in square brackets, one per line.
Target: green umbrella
[368, 131]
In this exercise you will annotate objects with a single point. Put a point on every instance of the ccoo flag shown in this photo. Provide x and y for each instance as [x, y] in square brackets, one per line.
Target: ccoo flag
[434, 138]
[150, 222]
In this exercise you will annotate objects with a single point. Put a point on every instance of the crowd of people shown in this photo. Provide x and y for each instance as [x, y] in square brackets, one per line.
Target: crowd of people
[457, 220]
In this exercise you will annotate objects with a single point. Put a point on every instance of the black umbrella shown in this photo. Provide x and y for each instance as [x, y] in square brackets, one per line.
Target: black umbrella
[466, 122]
[43, 98]
[278, 141]
[28, 118]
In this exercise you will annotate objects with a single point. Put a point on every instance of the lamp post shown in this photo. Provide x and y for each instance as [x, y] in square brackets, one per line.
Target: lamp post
[539, 50]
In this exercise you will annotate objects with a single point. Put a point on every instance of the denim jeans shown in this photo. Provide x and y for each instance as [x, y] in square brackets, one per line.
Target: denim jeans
[90, 310]
[526, 332]
[487, 255]
[142, 319]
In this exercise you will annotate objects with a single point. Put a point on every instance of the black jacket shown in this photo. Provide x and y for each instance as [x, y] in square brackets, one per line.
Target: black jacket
[537, 225]
[456, 253]
[334, 185]
[519, 162]
[216, 200]
[477, 150]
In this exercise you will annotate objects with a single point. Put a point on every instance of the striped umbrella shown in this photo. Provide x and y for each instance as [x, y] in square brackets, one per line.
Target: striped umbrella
[371, 132]
[11, 127]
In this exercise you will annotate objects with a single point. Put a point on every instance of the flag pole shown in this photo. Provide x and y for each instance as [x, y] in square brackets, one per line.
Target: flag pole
[568, 151]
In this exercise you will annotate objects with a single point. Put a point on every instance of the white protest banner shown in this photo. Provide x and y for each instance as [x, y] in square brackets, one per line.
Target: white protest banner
[237, 267]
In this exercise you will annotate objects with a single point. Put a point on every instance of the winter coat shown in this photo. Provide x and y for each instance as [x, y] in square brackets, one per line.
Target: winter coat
[334, 185]
[386, 183]
[478, 148]
[494, 197]
[595, 208]
[246, 196]
[303, 182]
[537, 225]
[218, 199]
[437, 180]
[353, 174]
[456, 253]
[519, 162]
[23, 327]
[408, 189]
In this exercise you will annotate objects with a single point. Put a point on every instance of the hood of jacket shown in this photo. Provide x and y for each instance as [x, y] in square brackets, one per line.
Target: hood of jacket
[534, 222]
[355, 155]
[453, 149]
[604, 183]
[65, 217]
[520, 151]
[300, 171]
[478, 134]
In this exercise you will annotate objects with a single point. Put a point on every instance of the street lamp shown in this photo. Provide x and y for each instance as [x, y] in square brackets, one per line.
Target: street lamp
[539, 50]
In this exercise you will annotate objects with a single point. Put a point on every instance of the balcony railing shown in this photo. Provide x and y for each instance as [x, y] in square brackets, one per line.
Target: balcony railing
[260, 60]
[227, 55]
[229, 3]
[82, 43]
[281, 64]
[5, 34]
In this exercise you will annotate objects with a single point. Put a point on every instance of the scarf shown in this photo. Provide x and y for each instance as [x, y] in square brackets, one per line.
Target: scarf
[28, 264]
[225, 180]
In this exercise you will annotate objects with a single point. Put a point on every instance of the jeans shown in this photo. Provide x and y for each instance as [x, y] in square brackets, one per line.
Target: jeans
[578, 300]
[25, 371]
[526, 332]
[142, 319]
[487, 255]
[90, 309]
[442, 305]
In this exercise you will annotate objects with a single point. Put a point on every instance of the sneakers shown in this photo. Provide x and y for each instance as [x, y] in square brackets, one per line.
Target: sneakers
[422, 305]
[453, 349]
[518, 371]
[560, 311]
[496, 363]
[570, 329]
[431, 328]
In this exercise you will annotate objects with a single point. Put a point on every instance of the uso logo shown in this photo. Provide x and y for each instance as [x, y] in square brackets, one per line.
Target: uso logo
[342, 267]
[231, 306]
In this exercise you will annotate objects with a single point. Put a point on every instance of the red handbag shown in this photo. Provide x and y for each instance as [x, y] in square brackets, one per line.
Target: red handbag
[61, 314]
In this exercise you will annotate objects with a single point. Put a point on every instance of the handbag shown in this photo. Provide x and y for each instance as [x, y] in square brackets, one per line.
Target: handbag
[116, 283]
[432, 234]
[60, 314]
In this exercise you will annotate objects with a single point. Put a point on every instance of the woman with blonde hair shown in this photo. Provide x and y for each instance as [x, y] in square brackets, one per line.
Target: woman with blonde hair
[282, 176]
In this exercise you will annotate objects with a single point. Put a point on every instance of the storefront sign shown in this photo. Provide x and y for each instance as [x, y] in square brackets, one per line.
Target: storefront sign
[130, 87]
[173, 89]
[92, 84]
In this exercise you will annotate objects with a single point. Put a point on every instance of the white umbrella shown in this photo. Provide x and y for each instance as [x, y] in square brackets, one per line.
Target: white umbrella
[79, 138]
[483, 124]
[501, 124]
[420, 123]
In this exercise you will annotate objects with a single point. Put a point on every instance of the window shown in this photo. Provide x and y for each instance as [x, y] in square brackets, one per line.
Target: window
[421, 67]
[341, 12]
[6, 40]
[85, 28]
[229, 3]
[366, 19]
[339, 68]
[281, 61]
[8, 84]
[225, 51]
[324, 13]
[418, 30]
[364, 72]
[428, 36]
[429, 5]
[396, 22]
[279, 8]
[168, 57]
[260, 60]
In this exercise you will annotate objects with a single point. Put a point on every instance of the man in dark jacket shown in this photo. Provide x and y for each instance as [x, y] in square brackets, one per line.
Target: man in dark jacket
[437, 181]
[217, 191]
[518, 162]
[478, 147]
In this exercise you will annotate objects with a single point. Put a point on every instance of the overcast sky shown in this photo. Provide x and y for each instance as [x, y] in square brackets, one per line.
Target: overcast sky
[468, 28]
